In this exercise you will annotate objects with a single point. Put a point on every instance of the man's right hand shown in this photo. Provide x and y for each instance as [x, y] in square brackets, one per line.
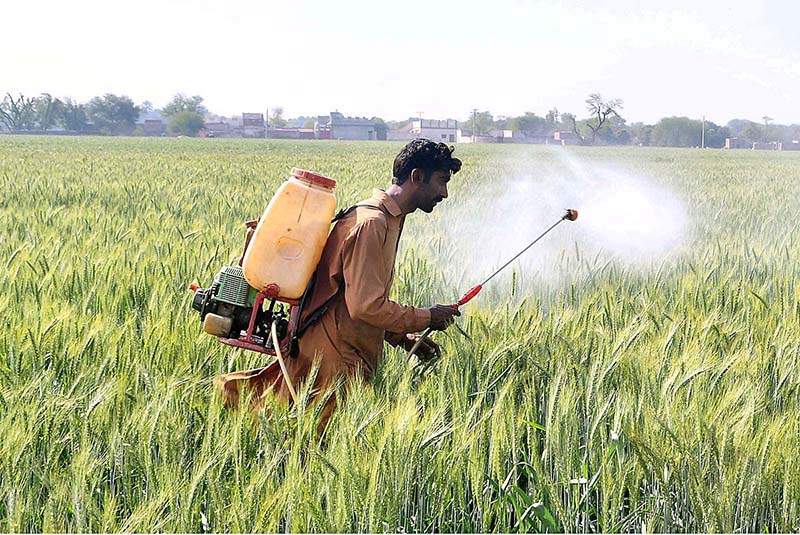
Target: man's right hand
[442, 316]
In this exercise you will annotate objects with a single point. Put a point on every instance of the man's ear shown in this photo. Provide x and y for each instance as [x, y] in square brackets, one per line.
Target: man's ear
[417, 176]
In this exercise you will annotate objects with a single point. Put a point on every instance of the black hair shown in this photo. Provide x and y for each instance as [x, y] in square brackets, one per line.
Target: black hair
[426, 155]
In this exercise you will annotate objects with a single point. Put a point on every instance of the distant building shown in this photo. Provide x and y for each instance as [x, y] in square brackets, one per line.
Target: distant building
[445, 131]
[337, 126]
[290, 133]
[153, 127]
[436, 130]
[540, 139]
[566, 137]
[218, 129]
[772, 145]
[152, 123]
[505, 136]
[401, 134]
[253, 125]
[794, 145]
[736, 143]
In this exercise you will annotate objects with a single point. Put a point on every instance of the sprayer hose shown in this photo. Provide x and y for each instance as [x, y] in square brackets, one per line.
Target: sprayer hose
[277, 345]
[418, 343]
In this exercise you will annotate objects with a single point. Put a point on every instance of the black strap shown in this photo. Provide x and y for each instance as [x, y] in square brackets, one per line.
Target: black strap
[323, 308]
[344, 211]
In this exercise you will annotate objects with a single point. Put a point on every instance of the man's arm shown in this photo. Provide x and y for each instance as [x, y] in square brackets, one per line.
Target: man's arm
[365, 280]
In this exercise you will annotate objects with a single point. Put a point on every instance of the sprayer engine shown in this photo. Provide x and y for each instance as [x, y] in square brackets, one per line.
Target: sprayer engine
[237, 313]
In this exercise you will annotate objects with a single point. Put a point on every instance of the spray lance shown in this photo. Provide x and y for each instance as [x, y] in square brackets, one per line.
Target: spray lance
[570, 215]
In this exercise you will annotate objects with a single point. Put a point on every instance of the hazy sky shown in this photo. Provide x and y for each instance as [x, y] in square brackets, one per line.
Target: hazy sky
[724, 59]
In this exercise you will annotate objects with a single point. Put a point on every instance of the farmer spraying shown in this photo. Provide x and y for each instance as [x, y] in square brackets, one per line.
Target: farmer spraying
[348, 315]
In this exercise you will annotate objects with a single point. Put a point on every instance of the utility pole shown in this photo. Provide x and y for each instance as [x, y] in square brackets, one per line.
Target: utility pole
[474, 123]
[703, 134]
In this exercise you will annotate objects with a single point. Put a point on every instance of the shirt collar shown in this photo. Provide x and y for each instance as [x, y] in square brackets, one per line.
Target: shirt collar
[382, 198]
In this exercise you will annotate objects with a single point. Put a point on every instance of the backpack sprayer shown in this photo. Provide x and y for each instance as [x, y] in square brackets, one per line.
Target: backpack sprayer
[570, 215]
[246, 304]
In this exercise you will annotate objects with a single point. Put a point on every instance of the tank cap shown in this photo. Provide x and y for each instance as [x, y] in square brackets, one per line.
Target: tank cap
[314, 178]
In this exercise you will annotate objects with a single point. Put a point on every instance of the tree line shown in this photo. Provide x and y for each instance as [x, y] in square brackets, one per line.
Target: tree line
[603, 124]
[107, 115]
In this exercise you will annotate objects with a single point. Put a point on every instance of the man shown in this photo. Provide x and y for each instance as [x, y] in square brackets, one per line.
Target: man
[350, 300]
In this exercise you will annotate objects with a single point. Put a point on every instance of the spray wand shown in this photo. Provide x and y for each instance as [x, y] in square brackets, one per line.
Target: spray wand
[570, 215]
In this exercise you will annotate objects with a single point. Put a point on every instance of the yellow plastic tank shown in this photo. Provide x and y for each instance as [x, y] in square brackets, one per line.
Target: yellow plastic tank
[288, 241]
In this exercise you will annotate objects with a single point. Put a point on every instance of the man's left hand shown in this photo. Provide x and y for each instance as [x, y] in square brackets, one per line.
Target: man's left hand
[427, 350]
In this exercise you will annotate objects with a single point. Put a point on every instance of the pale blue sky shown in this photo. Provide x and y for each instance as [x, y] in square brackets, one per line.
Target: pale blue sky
[395, 59]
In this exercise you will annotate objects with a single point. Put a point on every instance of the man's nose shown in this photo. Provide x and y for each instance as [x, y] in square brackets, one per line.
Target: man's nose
[444, 192]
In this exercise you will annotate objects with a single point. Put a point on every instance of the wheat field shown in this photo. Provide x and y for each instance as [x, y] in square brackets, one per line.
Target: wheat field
[658, 396]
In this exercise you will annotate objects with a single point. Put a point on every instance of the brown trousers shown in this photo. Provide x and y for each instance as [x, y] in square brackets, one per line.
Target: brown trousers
[270, 380]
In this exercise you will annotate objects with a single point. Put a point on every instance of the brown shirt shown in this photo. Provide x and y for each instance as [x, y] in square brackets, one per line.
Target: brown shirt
[357, 266]
[356, 269]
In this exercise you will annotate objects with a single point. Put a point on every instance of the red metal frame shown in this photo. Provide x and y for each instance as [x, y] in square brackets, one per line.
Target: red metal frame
[271, 292]
[247, 341]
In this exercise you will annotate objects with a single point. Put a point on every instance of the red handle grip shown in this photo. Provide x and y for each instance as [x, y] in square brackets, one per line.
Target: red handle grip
[472, 292]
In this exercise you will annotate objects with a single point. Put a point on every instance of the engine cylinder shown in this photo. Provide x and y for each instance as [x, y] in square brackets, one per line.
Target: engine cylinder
[217, 325]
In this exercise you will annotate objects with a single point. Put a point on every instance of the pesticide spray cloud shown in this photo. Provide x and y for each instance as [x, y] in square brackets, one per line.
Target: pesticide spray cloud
[624, 217]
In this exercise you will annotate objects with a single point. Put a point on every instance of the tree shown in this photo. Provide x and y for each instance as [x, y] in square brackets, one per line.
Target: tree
[187, 123]
[146, 107]
[181, 102]
[600, 110]
[716, 135]
[501, 122]
[73, 116]
[569, 120]
[640, 134]
[481, 125]
[19, 113]
[530, 124]
[752, 133]
[47, 110]
[113, 114]
[767, 119]
[614, 132]
[380, 128]
[277, 120]
[677, 132]
[552, 117]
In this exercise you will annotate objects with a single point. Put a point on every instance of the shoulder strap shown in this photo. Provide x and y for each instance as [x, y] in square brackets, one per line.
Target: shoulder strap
[316, 314]
[345, 211]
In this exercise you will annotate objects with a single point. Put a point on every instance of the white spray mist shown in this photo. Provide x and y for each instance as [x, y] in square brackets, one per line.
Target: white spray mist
[624, 217]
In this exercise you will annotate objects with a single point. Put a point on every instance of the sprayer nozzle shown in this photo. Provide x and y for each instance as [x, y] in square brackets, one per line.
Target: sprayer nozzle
[571, 214]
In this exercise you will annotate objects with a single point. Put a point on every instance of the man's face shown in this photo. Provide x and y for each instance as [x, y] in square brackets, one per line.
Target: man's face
[434, 192]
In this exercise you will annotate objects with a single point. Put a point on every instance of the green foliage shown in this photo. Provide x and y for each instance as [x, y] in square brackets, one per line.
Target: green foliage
[276, 119]
[73, 116]
[187, 123]
[48, 109]
[113, 114]
[18, 113]
[600, 111]
[180, 103]
[677, 132]
[615, 399]
[479, 124]
[716, 135]
[530, 123]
